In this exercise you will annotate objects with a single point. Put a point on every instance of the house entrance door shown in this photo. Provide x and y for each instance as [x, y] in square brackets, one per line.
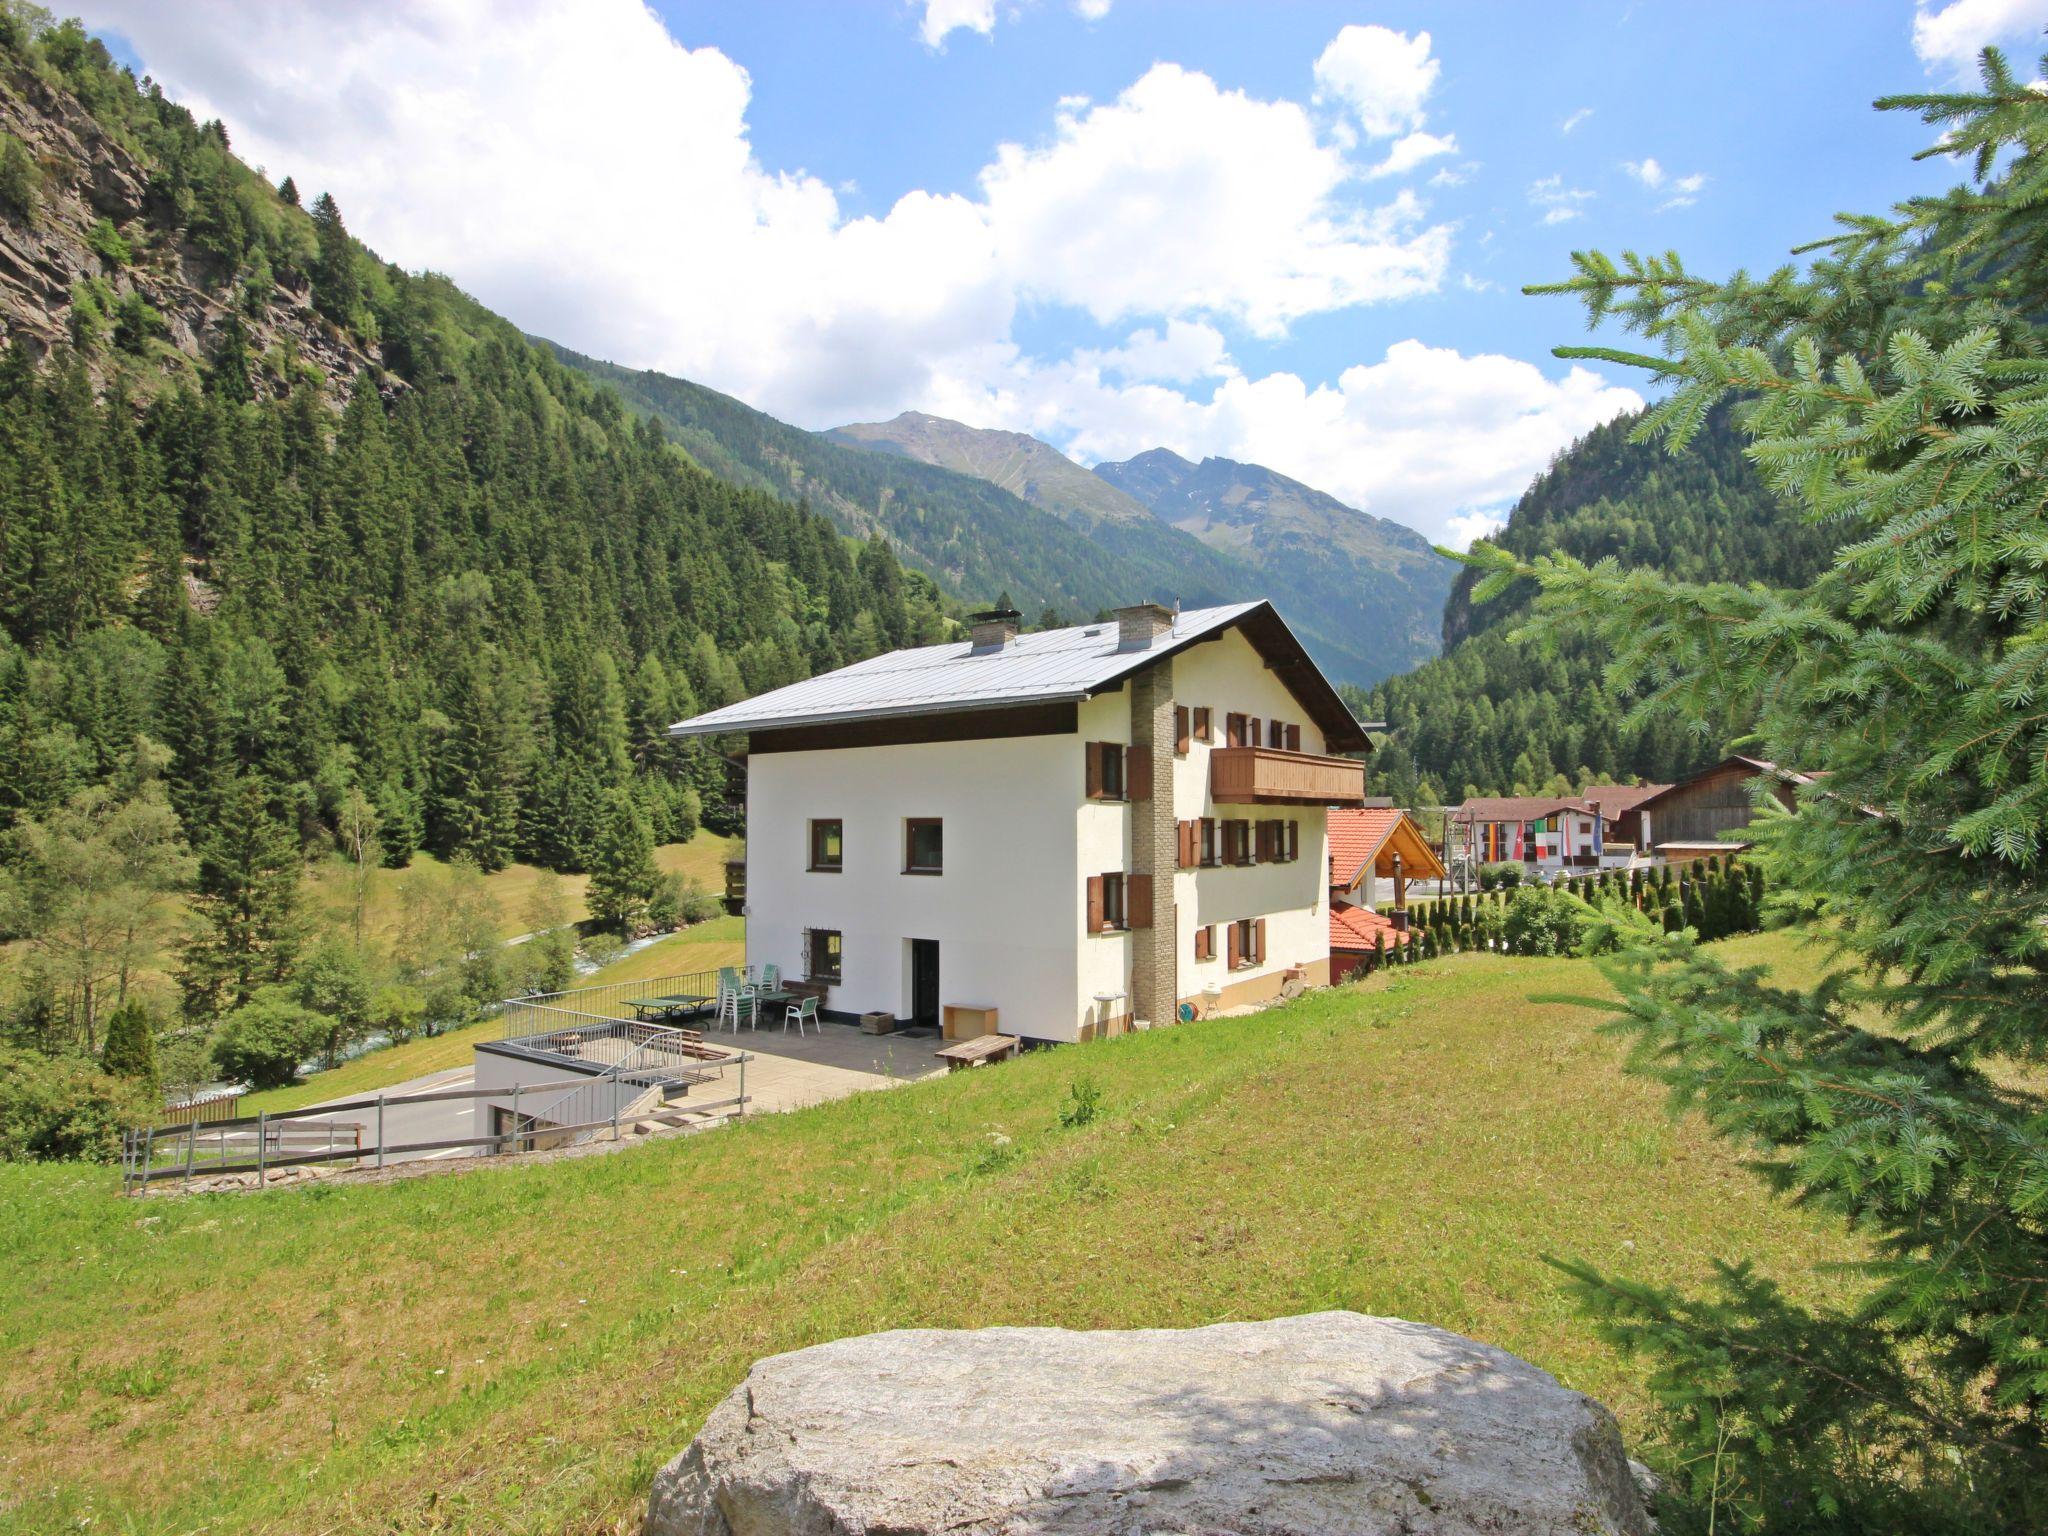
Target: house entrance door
[924, 982]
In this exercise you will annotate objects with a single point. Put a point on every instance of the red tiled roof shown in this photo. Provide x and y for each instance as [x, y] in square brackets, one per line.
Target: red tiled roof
[1358, 928]
[1355, 836]
[1516, 807]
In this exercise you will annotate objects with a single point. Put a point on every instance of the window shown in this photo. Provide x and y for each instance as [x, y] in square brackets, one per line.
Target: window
[1106, 912]
[924, 846]
[1288, 737]
[1105, 770]
[1247, 943]
[1237, 842]
[1209, 857]
[821, 954]
[1293, 842]
[1187, 844]
[1205, 942]
[1279, 842]
[828, 846]
[1204, 731]
[1234, 731]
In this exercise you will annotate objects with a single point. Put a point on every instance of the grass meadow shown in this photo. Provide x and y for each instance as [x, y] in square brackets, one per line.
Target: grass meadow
[518, 1349]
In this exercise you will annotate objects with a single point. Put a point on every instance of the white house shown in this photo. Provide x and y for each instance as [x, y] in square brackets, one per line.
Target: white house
[1079, 829]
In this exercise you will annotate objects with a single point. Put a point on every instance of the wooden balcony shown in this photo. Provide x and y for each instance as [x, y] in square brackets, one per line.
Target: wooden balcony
[1269, 776]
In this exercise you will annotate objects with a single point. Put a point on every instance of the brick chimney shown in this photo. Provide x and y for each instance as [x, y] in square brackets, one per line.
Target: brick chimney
[1138, 626]
[992, 630]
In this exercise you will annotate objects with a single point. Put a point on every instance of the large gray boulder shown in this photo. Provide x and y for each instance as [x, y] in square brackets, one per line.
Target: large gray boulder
[1326, 1425]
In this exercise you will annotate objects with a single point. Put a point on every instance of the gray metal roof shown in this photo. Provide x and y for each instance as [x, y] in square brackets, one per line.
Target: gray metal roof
[1050, 667]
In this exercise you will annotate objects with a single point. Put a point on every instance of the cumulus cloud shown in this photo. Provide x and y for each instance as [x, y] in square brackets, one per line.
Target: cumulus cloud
[1463, 529]
[942, 17]
[1411, 151]
[1092, 10]
[1557, 201]
[1949, 38]
[578, 169]
[1647, 171]
[1383, 76]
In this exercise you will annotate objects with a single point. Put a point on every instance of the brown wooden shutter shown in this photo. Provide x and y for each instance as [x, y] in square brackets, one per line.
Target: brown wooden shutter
[1251, 732]
[1293, 841]
[1093, 751]
[1233, 730]
[1137, 774]
[1236, 957]
[1204, 938]
[1294, 738]
[1095, 920]
[1180, 729]
[1184, 845]
[1137, 901]
[1205, 729]
[1259, 942]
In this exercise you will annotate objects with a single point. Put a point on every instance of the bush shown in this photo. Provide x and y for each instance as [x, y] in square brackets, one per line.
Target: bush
[264, 1041]
[1543, 921]
[396, 1012]
[21, 180]
[700, 905]
[64, 1106]
[1504, 876]
[107, 244]
[665, 906]
[136, 322]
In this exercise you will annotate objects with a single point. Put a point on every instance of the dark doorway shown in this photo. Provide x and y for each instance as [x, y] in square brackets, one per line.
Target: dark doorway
[924, 983]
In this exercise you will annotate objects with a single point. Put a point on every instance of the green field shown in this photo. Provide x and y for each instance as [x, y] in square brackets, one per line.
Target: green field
[518, 1349]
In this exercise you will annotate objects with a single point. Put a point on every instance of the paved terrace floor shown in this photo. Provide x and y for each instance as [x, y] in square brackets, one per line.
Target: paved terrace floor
[788, 1072]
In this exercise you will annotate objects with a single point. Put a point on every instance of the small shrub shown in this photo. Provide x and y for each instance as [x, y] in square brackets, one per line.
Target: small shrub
[109, 244]
[137, 322]
[665, 906]
[1504, 876]
[21, 179]
[1084, 1103]
[1542, 921]
[700, 905]
[66, 1107]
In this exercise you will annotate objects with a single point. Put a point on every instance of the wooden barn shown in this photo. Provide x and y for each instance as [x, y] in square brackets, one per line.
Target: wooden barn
[1691, 819]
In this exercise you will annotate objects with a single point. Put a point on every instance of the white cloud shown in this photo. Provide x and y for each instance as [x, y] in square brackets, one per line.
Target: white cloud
[1382, 75]
[1647, 171]
[583, 173]
[1574, 120]
[1949, 39]
[1467, 526]
[1411, 151]
[1558, 201]
[945, 16]
[1685, 190]
[1092, 10]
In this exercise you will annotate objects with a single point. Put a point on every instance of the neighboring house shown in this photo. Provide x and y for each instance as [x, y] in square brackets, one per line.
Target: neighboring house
[1599, 828]
[1367, 846]
[1078, 829]
[1690, 820]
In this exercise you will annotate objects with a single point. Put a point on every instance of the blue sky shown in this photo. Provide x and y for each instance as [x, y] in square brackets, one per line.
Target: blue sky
[1288, 232]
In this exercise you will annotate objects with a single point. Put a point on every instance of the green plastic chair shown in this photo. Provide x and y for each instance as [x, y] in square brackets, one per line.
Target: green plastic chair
[771, 978]
[801, 1012]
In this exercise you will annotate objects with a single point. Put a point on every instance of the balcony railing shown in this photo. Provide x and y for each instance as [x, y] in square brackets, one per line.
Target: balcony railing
[1269, 776]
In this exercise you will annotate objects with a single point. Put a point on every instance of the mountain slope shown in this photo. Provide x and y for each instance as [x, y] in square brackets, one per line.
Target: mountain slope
[1490, 716]
[1371, 613]
[1383, 578]
[1019, 463]
[334, 533]
[974, 537]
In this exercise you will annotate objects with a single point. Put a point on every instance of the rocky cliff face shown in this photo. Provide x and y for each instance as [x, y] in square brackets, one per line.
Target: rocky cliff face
[51, 260]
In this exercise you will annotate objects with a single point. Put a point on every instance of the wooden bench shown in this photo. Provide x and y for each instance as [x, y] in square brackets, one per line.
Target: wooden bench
[975, 1052]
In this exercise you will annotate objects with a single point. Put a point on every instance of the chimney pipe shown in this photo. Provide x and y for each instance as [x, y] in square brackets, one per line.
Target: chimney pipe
[992, 630]
[1139, 625]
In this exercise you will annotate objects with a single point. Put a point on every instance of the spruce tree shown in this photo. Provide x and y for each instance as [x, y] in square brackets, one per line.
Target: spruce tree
[337, 290]
[623, 874]
[1891, 391]
[130, 1049]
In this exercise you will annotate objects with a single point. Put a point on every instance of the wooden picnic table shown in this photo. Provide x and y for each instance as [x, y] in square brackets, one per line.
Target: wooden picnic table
[973, 1053]
[668, 1007]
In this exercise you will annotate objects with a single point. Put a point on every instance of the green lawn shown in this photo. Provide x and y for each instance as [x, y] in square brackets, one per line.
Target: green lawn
[518, 1349]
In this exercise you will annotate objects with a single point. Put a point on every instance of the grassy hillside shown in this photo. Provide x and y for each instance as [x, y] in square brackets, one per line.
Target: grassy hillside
[517, 1350]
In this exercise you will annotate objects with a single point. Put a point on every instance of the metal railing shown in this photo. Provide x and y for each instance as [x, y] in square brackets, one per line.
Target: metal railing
[519, 1017]
[268, 1142]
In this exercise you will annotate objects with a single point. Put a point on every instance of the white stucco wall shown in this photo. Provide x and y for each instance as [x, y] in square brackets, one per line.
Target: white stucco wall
[1003, 912]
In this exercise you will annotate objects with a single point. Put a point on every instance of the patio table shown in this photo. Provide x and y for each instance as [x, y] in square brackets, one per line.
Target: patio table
[669, 1007]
